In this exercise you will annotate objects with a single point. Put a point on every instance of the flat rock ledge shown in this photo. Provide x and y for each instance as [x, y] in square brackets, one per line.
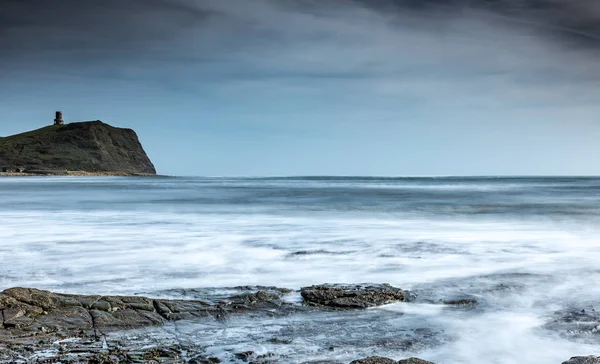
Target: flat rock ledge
[33, 320]
[351, 296]
[29, 311]
[583, 360]
[382, 360]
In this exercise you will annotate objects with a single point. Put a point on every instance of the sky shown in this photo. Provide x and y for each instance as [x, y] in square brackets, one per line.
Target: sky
[316, 87]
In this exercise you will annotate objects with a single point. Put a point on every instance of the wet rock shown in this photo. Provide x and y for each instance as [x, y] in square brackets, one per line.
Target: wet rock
[277, 340]
[96, 323]
[204, 360]
[382, 360]
[245, 355]
[301, 253]
[268, 358]
[29, 311]
[576, 323]
[374, 360]
[67, 318]
[261, 299]
[230, 300]
[583, 360]
[90, 351]
[34, 297]
[270, 289]
[414, 361]
[351, 296]
[460, 300]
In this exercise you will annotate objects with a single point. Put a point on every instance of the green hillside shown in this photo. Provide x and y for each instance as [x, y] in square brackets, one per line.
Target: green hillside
[87, 146]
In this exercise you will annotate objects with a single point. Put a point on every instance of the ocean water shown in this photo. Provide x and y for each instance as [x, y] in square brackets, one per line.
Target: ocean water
[527, 249]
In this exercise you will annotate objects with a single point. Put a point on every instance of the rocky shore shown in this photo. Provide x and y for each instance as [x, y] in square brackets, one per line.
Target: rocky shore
[45, 327]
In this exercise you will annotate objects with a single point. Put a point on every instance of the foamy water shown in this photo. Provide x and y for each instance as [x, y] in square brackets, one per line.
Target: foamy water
[526, 248]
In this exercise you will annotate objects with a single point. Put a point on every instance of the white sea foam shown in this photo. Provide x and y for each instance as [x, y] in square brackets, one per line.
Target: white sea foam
[120, 237]
[125, 252]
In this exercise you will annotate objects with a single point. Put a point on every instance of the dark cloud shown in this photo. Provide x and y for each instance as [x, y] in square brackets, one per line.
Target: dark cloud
[571, 20]
[113, 24]
[105, 37]
[76, 30]
[34, 22]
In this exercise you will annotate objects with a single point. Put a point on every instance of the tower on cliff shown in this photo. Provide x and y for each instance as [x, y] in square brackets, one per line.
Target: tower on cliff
[58, 119]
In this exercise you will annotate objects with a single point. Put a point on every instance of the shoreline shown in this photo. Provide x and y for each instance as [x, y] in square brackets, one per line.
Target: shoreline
[46, 327]
[75, 174]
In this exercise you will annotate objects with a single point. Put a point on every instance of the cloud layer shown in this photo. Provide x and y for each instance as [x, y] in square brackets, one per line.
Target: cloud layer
[447, 71]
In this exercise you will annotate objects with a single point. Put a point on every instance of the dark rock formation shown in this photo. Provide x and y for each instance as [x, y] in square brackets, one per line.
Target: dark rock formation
[461, 300]
[382, 360]
[87, 146]
[374, 360]
[581, 323]
[414, 361]
[351, 296]
[204, 360]
[583, 360]
[97, 352]
[29, 312]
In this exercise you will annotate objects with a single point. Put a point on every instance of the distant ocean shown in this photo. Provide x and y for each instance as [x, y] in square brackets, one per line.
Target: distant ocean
[528, 249]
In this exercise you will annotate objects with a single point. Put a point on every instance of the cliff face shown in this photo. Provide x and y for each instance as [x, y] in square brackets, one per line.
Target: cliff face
[87, 146]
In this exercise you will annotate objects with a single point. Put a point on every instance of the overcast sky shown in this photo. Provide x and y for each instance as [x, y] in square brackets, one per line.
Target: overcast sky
[316, 87]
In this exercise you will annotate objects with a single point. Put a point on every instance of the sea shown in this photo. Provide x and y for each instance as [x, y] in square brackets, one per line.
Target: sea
[526, 249]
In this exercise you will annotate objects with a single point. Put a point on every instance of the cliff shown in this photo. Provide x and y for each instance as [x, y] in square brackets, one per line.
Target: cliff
[91, 146]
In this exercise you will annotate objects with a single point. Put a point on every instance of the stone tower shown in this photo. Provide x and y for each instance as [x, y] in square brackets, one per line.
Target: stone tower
[59, 120]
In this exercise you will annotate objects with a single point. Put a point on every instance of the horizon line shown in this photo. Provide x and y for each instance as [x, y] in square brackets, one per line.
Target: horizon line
[393, 176]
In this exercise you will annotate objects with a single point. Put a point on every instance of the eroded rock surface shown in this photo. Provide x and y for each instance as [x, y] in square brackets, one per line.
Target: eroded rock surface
[374, 360]
[576, 323]
[382, 360]
[583, 360]
[30, 312]
[351, 296]
[42, 326]
[414, 361]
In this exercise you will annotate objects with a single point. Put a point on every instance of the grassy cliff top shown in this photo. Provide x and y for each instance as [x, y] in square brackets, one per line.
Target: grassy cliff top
[91, 146]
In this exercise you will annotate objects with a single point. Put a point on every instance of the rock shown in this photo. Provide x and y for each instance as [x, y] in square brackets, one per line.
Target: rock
[245, 356]
[351, 296]
[29, 310]
[583, 360]
[414, 361]
[382, 360]
[34, 320]
[268, 358]
[85, 146]
[374, 360]
[276, 340]
[461, 301]
[576, 323]
[204, 360]
[264, 299]
[254, 358]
